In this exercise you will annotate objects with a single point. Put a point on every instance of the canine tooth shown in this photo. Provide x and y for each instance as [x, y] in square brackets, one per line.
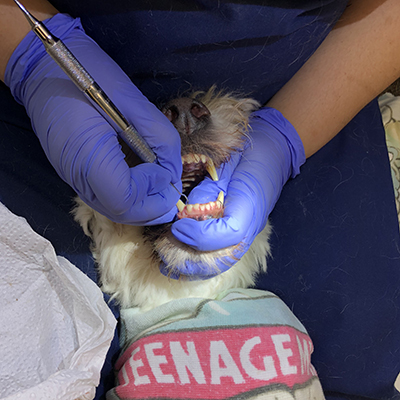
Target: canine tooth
[196, 206]
[220, 198]
[189, 208]
[180, 205]
[211, 170]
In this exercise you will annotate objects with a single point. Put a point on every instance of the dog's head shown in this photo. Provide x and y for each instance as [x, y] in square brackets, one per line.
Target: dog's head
[212, 127]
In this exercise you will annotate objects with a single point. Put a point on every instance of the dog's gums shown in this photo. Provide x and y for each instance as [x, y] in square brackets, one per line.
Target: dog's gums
[202, 212]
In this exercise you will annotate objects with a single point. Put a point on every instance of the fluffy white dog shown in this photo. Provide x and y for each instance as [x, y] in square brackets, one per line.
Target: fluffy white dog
[212, 126]
[207, 339]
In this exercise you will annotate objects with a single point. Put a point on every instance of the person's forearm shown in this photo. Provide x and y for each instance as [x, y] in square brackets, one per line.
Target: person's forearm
[14, 27]
[356, 62]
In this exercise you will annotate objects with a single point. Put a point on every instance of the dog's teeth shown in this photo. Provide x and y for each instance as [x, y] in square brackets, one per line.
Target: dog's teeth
[220, 198]
[196, 206]
[187, 158]
[189, 208]
[180, 205]
[211, 170]
[196, 158]
[208, 206]
[202, 207]
[203, 158]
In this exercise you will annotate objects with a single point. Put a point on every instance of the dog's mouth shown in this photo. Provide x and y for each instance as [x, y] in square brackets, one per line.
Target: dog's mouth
[195, 168]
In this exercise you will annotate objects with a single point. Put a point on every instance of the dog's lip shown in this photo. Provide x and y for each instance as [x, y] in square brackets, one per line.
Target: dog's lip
[192, 158]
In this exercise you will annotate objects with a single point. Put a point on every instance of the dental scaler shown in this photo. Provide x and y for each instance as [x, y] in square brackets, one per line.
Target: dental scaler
[86, 84]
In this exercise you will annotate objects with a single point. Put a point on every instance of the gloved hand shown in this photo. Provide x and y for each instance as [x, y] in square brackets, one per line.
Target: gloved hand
[78, 141]
[252, 182]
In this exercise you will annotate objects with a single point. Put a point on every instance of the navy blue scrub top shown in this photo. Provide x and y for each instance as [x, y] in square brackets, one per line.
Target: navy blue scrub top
[167, 47]
[336, 238]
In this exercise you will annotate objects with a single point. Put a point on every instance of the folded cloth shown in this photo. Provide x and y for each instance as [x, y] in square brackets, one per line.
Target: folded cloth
[245, 344]
[55, 327]
[390, 108]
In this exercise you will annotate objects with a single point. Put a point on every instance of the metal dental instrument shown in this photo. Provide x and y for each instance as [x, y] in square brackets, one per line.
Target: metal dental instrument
[85, 83]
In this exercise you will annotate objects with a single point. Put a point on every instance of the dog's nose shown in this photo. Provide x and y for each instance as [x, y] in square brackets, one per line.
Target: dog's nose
[187, 115]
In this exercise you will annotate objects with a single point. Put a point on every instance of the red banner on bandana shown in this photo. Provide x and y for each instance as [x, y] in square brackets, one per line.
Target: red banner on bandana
[214, 364]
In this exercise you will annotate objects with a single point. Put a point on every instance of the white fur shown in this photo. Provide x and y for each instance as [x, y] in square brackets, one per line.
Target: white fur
[129, 272]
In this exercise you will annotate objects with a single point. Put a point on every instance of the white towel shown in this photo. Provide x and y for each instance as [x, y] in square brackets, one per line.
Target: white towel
[55, 327]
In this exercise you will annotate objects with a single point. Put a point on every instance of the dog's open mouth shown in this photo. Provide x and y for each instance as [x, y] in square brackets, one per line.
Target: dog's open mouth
[195, 169]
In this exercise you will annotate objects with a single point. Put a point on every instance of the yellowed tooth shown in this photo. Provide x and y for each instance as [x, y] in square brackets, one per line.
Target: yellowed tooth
[220, 198]
[180, 205]
[203, 158]
[189, 208]
[211, 170]
[196, 206]
[196, 158]
[188, 158]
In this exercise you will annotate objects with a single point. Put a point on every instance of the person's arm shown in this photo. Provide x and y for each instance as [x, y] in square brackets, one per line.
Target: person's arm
[79, 143]
[14, 26]
[356, 62]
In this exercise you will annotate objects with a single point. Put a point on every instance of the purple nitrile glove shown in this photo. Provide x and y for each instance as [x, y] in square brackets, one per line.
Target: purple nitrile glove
[79, 142]
[252, 182]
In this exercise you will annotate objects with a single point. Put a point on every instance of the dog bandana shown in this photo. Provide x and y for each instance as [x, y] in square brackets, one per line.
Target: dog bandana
[246, 344]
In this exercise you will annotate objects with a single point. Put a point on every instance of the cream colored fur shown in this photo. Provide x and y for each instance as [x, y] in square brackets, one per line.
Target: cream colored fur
[129, 272]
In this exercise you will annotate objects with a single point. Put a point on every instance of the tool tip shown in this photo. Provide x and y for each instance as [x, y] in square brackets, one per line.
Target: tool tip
[20, 5]
[32, 20]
